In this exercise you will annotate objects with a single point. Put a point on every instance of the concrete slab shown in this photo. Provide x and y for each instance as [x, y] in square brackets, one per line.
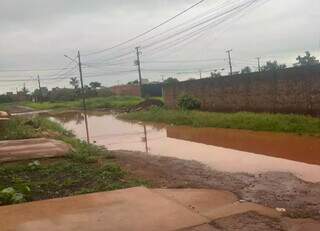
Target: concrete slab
[199, 200]
[132, 209]
[205, 227]
[214, 204]
[239, 208]
[13, 150]
[4, 115]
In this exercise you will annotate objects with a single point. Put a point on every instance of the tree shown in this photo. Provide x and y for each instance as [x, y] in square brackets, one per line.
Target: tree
[135, 82]
[95, 85]
[306, 60]
[246, 70]
[24, 91]
[171, 80]
[74, 82]
[273, 66]
[215, 74]
[41, 95]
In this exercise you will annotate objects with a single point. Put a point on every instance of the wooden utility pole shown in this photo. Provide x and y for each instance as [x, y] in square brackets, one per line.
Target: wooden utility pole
[259, 67]
[83, 98]
[145, 138]
[40, 91]
[139, 69]
[230, 63]
[200, 73]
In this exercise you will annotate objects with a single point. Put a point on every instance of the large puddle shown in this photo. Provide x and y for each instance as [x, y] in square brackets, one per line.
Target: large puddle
[222, 149]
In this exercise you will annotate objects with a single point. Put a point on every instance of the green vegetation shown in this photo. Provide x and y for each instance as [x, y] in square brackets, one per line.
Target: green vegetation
[20, 128]
[111, 102]
[188, 102]
[242, 120]
[4, 106]
[88, 168]
[22, 182]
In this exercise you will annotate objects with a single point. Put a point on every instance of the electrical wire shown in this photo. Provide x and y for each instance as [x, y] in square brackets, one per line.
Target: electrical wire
[146, 32]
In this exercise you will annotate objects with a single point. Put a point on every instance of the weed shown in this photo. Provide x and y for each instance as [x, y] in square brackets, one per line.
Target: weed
[112, 102]
[298, 124]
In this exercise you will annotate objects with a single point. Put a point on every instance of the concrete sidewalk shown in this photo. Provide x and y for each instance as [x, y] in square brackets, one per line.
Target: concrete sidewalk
[13, 150]
[4, 115]
[134, 209]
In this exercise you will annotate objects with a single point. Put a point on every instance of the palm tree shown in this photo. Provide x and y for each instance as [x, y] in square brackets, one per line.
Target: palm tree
[74, 82]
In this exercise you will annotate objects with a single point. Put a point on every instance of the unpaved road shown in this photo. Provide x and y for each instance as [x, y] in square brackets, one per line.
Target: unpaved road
[276, 190]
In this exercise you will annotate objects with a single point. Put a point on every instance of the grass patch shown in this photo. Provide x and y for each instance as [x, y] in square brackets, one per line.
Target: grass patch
[112, 102]
[6, 106]
[88, 168]
[21, 128]
[62, 177]
[242, 120]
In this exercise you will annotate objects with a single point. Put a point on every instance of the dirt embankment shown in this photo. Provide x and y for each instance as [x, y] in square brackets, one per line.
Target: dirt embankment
[276, 190]
[145, 105]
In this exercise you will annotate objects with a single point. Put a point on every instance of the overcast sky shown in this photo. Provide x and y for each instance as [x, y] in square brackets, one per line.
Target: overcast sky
[36, 34]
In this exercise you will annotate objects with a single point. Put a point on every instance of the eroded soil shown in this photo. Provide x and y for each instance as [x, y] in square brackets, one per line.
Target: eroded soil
[276, 190]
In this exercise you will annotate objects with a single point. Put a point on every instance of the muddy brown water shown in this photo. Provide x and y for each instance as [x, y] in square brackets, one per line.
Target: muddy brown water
[222, 149]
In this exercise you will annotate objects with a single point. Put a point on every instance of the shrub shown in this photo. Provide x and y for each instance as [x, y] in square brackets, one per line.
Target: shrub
[188, 102]
[11, 195]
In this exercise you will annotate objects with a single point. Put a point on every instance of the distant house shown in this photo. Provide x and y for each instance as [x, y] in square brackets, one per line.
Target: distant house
[145, 81]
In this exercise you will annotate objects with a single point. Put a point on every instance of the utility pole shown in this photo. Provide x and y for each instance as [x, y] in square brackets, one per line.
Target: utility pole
[83, 98]
[200, 73]
[230, 63]
[139, 69]
[40, 91]
[259, 67]
[146, 138]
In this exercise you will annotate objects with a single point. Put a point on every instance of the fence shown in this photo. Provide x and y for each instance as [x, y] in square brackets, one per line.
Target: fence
[292, 90]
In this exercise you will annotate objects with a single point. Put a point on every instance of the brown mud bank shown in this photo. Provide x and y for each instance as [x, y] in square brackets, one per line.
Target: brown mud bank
[273, 189]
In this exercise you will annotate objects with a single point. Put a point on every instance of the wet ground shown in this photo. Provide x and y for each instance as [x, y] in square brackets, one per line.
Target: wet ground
[222, 149]
[298, 198]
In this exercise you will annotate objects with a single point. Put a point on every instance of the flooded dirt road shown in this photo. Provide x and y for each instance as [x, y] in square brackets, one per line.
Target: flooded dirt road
[222, 149]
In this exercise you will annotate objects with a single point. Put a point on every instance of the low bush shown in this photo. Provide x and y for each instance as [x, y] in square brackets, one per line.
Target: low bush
[188, 102]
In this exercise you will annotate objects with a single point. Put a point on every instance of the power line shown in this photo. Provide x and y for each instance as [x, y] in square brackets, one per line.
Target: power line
[148, 31]
[35, 70]
[191, 20]
[196, 34]
[184, 61]
[196, 25]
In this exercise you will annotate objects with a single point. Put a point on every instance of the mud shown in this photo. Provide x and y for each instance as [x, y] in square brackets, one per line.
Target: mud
[145, 105]
[252, 221]
[19, 109]
[247, 222]
[300, 199]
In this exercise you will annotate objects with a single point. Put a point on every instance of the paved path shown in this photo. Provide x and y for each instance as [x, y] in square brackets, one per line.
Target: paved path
[13, 150]
[135, 209]
[4, 115]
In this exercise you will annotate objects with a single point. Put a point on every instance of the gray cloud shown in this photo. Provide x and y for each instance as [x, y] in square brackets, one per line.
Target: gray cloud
[36, 33]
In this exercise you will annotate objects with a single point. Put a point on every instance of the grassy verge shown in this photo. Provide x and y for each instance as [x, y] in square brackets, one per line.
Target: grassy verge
[88, 168]
[242, 120]
[4, 106]
[112, 102]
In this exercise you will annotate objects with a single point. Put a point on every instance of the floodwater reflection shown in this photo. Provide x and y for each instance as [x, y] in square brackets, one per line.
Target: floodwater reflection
[222, 149]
